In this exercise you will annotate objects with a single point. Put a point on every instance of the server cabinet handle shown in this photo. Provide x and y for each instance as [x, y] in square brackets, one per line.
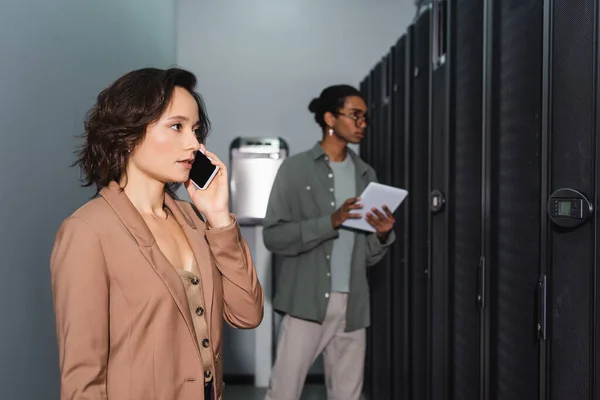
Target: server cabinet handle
[437, 201]
[541, 320]
[439, 17]
[481, 283]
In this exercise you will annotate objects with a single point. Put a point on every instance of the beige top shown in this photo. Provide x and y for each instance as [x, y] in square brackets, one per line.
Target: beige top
[193, 290]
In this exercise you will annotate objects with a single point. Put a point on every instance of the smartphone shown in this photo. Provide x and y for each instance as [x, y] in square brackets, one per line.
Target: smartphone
[203, 171]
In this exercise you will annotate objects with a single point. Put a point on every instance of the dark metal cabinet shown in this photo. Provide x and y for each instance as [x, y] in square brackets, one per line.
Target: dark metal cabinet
[490, 121]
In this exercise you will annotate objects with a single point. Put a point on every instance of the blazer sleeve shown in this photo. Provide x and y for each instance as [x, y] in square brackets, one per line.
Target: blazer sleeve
[242, 291]
[80, 288]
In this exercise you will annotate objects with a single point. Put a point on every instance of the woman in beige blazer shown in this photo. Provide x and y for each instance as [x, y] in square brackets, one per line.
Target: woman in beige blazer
[142, 281]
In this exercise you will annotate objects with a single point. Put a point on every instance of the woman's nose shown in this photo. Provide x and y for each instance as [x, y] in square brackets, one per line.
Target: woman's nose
[194, 142]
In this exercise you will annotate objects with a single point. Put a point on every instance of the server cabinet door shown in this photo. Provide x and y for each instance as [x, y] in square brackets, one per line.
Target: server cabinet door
[399, 270]
[368, 152]
[573, 104]
[466, 295]
[513, 182]
[379, 334]
[419, 58]
[439, 192]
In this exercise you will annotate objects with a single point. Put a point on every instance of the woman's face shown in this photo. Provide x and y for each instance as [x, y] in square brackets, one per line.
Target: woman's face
[349, 123]
[168, 149]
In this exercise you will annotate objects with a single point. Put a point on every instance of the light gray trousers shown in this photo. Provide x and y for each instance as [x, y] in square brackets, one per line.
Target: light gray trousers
[299, 344]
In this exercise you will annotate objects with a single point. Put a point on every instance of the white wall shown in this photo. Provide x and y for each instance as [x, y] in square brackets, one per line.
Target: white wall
[260, 62]
[56, 56]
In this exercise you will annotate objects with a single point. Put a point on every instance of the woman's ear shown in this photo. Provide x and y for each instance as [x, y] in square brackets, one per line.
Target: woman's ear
[329, 119]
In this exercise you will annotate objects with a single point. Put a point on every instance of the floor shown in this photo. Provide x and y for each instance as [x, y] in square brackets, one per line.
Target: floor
[248, 392]
[243, 392]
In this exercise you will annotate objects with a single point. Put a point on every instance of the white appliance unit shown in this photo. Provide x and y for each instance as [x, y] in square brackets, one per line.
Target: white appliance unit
[254, 162]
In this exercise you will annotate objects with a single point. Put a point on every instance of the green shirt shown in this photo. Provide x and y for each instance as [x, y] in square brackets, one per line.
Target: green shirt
[344, 187]
[297, 228]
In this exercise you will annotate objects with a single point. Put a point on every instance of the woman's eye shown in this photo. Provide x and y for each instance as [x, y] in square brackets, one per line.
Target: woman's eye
[177, 127]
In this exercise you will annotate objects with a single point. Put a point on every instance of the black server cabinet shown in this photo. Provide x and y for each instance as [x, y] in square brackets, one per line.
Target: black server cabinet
[466, 279]
[439, 193]
[396, 145]
[490, 290]
[419, 57]
[456, 200]
[569, 322]
[511, 193]
[401, 346]
[380, 335]
[377, 363]
[386, 148]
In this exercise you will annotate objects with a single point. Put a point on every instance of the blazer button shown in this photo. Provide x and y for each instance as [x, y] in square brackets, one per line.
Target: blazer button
[207, 374]
[200, 311]
[205, 343]
[195, 280]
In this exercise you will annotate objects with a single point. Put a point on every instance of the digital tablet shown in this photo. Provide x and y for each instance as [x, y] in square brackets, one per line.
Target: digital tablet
[376, 195]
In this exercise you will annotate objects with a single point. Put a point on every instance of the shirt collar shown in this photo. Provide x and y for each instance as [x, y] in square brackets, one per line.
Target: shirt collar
[318, 153]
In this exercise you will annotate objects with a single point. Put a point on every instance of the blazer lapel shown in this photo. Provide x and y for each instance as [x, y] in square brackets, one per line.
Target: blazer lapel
[135, 224]
[201, 251]
[171, 279]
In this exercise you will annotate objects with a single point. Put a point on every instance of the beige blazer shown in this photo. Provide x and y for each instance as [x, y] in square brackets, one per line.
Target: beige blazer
[125, 331]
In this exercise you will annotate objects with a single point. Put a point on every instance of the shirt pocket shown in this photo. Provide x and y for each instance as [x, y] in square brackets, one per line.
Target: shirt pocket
[315, 199]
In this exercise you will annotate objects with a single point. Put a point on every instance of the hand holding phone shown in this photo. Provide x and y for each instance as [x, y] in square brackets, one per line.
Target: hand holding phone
[209, 189]
[203, 171]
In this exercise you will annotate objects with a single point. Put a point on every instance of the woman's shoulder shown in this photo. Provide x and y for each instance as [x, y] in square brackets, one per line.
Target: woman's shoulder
[92, 209]
[95, 214]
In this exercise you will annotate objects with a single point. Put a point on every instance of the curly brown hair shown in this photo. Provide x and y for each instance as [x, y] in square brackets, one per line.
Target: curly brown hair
[117, 123]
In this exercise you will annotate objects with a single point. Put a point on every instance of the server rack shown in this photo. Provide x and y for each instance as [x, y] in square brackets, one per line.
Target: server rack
[512, 177]
[568, 325]
[397, 145]
[380, 333]
[439, 194]
[401, 346]
[499, 297]
[417, 204]
[465, 284]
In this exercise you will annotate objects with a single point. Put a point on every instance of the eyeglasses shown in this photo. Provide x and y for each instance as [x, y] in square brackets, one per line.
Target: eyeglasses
[358, 119]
